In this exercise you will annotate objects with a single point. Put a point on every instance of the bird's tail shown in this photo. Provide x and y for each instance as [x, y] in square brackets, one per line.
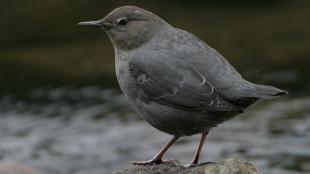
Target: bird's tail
[267, 92]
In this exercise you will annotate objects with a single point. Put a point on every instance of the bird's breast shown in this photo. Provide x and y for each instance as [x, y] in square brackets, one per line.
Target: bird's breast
[125, 81]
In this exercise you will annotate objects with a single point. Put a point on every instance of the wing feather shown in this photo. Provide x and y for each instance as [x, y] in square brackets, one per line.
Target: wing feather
[169, 82]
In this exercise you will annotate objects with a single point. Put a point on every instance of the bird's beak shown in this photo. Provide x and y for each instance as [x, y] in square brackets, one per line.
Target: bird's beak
[98, 23]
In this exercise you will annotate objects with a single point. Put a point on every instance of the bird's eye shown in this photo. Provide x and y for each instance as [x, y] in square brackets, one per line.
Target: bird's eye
[122, 21]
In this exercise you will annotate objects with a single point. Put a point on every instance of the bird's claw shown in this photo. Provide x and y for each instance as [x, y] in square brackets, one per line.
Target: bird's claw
[190, 165]
[150, 162]
[195, 164]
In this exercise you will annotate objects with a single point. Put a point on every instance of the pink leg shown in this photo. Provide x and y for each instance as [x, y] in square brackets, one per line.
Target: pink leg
[157, 159]
[197, 154]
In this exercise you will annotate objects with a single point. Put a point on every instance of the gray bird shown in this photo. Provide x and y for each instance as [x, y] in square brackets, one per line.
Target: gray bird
[178, 83]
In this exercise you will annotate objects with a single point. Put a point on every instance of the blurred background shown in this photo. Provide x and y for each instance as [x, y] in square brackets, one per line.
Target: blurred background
[61, 110]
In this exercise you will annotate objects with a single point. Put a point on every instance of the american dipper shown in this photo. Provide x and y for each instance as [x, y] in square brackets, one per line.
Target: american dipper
[176, 81]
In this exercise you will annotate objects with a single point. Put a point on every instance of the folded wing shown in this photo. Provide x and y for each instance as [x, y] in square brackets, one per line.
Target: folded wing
[170, 82]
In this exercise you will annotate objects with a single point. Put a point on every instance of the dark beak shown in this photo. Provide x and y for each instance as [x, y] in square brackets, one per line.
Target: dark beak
[98, 23]
[90, 24]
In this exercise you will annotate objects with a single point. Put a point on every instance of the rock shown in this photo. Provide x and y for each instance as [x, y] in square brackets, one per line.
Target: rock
[227, 166]
[11, 167]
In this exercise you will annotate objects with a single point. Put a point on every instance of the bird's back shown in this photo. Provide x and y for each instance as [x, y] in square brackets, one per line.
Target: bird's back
[225, 79]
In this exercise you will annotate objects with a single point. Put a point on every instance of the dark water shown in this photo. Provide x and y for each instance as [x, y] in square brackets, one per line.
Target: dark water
[60, 110]
[93, 130]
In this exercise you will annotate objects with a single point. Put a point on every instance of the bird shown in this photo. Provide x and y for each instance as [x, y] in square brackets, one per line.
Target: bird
[176, 81]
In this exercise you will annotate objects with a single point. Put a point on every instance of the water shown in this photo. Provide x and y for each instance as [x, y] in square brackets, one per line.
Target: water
[93, 130]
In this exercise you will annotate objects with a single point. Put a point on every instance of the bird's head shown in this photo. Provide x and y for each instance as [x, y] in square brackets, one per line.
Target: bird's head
[129, 27]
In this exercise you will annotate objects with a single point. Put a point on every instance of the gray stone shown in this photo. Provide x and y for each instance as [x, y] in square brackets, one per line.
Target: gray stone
[226, 166]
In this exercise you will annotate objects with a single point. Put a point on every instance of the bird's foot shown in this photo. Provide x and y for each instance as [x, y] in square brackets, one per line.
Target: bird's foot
[191, 165]
[151, 162]
[196, 164]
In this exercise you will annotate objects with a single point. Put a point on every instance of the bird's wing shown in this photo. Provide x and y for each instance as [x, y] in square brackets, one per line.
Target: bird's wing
[166, 80]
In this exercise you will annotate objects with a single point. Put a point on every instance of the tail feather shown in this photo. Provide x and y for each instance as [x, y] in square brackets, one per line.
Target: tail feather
[250, 93]
[268, 92]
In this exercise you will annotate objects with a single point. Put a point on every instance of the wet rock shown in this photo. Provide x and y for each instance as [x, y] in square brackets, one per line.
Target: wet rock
[227, 166]
[11, 167]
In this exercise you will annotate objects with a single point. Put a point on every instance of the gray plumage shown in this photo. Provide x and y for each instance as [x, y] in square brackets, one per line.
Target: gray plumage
[176, 81]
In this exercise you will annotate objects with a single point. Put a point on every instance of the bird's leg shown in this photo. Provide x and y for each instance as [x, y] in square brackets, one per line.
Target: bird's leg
[157, 159]
[197, 154]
